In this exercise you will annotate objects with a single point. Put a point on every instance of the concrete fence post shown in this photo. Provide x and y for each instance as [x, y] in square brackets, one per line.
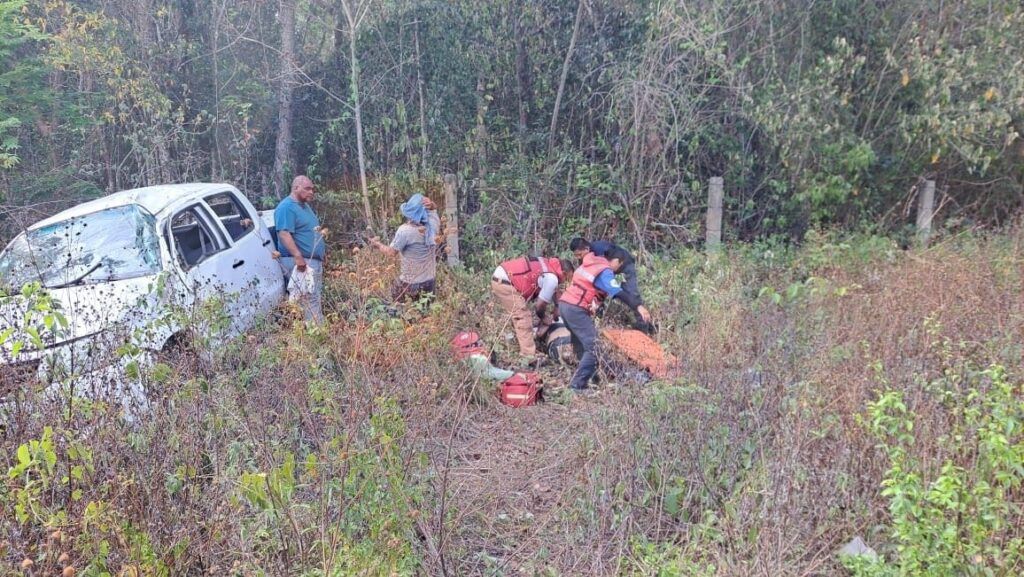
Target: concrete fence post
[451, 211]
[716, 190]
[925, 211]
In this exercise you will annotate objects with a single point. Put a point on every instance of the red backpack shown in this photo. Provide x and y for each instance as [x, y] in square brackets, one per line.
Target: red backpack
[522, 390]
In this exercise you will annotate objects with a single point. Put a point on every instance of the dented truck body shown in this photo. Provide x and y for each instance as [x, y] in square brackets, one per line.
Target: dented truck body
[129, 272]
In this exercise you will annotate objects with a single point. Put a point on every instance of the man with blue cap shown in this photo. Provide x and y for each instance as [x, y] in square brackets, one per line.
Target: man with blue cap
[416, 242]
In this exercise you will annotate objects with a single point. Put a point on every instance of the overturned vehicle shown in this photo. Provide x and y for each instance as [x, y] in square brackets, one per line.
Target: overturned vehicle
[107, 283]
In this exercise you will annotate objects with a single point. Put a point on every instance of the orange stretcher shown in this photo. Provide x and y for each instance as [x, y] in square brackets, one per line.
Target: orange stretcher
[642, 350]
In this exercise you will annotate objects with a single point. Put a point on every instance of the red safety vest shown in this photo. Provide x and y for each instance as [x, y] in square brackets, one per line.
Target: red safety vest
[581, 291]
[524, 272]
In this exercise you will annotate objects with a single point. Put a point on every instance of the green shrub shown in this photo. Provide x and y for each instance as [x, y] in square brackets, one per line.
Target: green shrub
[960, 518]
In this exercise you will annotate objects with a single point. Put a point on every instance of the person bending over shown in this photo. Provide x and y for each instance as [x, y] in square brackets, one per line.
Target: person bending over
[592, 282]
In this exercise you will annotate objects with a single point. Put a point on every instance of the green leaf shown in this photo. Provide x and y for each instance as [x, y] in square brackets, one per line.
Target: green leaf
[33, 334]
[672, 502]
[24, 457]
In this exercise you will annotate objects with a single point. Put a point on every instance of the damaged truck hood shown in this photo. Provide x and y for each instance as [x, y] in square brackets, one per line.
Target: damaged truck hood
[89, 309]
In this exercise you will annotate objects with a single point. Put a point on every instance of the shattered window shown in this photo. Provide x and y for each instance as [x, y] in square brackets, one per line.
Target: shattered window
[193, 240]
[230, 212]
[113, 244]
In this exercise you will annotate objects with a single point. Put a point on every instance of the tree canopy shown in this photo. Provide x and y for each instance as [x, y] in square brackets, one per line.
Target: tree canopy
[606, 116]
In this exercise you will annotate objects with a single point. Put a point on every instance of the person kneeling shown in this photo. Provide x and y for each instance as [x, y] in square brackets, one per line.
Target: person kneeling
[523, 287]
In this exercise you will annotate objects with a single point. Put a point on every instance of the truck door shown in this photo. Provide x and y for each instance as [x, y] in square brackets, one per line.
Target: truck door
[259, 274]
[203, 260]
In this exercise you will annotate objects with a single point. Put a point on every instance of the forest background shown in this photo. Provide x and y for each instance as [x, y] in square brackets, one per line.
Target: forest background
[560, 117]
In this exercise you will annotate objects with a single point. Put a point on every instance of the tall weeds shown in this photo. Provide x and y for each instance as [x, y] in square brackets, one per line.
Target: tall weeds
[362, 448]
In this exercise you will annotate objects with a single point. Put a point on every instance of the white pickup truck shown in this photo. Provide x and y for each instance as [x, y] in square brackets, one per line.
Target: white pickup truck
[132, 267]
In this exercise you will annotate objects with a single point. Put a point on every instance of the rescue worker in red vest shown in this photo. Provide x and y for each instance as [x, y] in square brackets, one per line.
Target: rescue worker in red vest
[627, 269]
[521, 281]
[591, 283]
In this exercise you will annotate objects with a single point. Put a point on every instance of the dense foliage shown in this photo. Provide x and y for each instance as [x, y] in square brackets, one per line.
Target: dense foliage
[840, 387]
[599, 115]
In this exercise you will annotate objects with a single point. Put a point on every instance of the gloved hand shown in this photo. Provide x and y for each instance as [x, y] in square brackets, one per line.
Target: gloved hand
[647, 328]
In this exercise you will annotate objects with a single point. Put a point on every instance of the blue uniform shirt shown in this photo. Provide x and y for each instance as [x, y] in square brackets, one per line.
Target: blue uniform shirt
[600, 247]
[606, 283]
[299, 220]
[603, 247]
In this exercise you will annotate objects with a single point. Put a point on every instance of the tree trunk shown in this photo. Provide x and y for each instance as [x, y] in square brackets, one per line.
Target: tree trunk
[424, 143]
[283, 148]
[565, 73]
[524, 82]
[359, 127]
[155, 158]
[481, 130]
[220, 154]
[354, 12]
[55, 86]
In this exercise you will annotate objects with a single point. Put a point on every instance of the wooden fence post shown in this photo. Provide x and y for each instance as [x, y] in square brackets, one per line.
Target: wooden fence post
[925, 211]
[451, 211]
[716, 189]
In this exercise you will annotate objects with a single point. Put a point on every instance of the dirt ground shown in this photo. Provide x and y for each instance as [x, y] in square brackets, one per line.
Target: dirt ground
[514, 478]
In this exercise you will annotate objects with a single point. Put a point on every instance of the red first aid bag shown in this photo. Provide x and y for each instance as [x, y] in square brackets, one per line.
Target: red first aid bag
[522, 390]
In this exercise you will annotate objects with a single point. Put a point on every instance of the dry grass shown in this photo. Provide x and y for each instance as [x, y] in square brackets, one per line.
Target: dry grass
[752, 463]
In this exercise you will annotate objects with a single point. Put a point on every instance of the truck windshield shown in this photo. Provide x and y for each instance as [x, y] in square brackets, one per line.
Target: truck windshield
[112, 244]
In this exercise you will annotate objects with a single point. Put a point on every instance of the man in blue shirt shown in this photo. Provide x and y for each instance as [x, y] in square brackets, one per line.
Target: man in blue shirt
[300, 243]
[626, 267]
